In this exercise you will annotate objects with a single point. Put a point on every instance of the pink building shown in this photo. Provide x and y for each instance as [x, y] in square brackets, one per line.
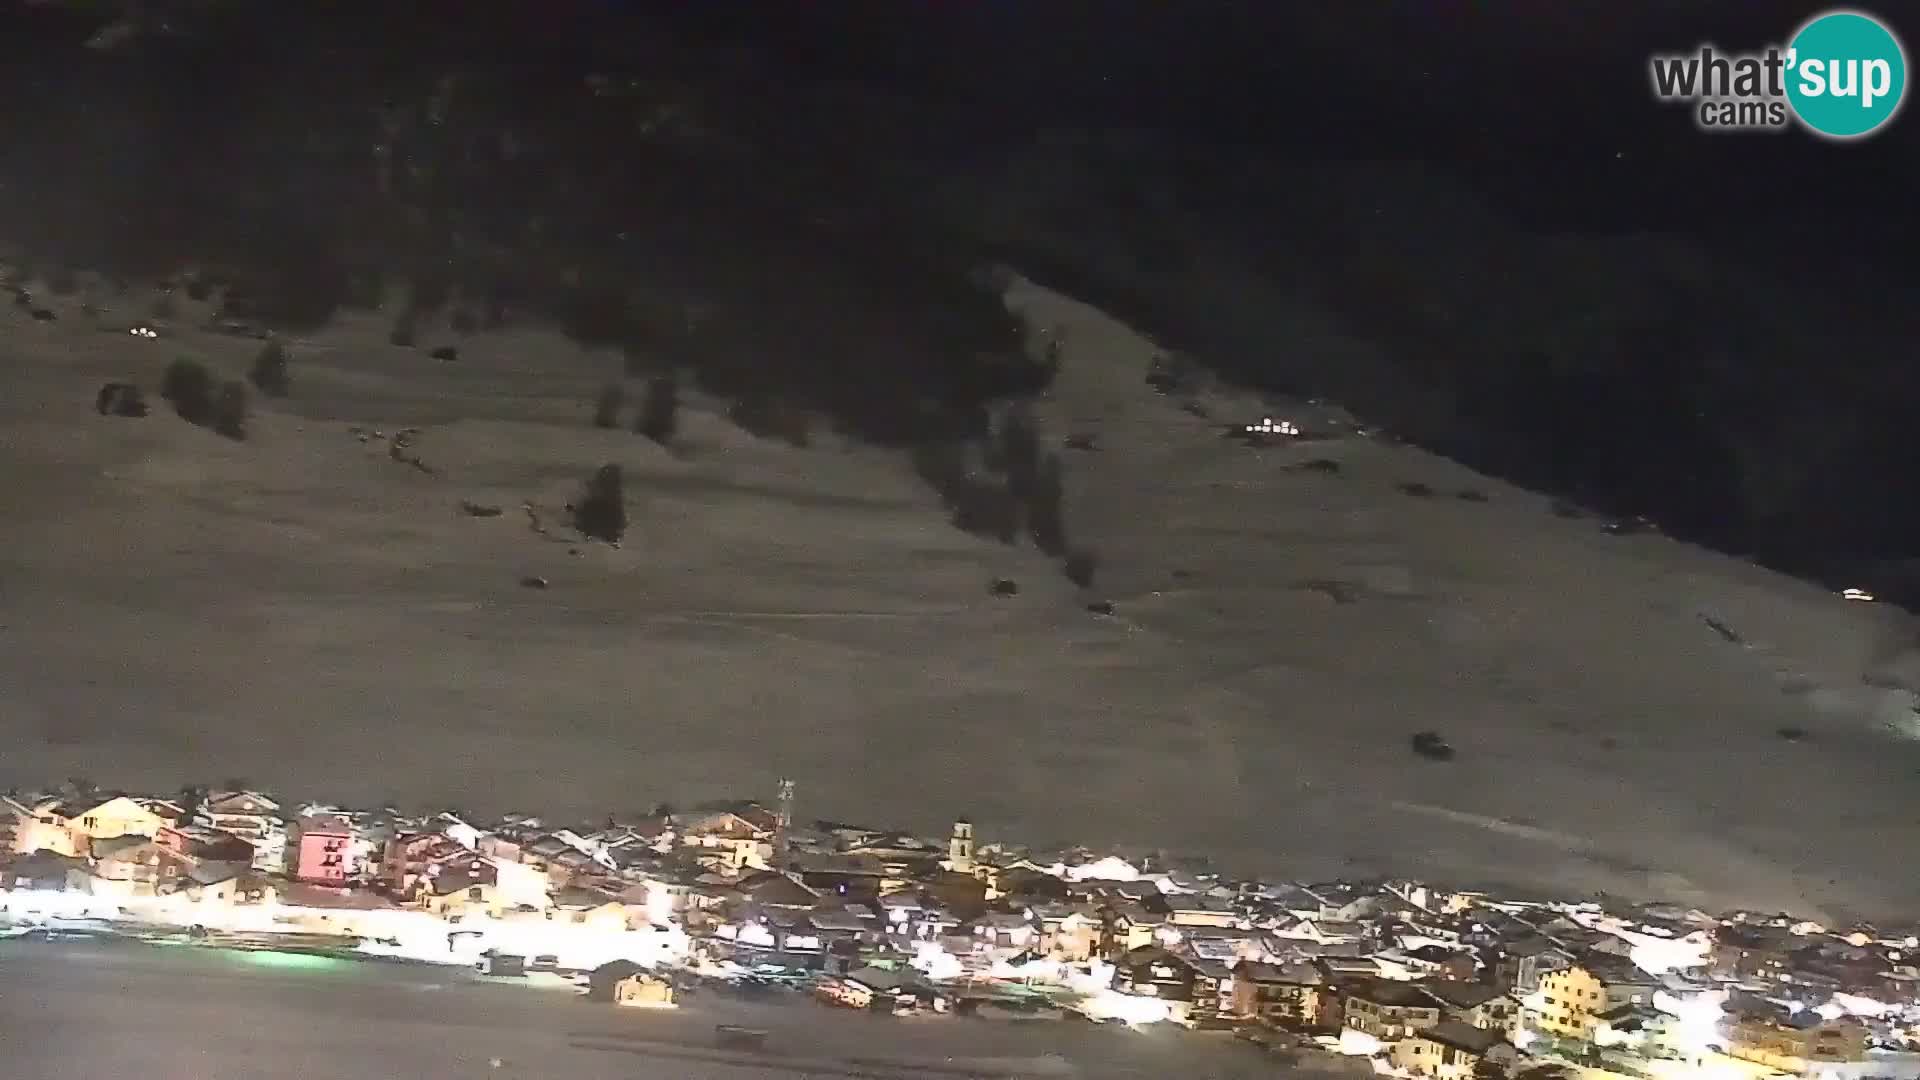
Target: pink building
[321, 856]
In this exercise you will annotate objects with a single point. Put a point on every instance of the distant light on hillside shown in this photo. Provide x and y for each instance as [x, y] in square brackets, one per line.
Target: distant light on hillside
[1270, 426]
[1861, 595]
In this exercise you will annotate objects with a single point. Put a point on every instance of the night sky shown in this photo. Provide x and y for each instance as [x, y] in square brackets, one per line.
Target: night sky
[1542, 108]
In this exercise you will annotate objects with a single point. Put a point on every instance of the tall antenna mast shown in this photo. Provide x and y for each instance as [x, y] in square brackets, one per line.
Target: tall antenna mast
[783, 822]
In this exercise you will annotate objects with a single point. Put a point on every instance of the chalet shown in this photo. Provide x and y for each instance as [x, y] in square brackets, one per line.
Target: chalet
[1030, 882]
[1481, 1005]
[580, 906]
[1526, 961]
[1428, 961]
[1793, 1043]
[1348, 969]
[1753, 952]
[228, 888]
[1002, 930]
[629, 843]
[1229, 945]
[1387, 1010]
[1639, 1029]
[40, 870]
[847, 835]
[1571, 1001]
[1325, 931]
[121, 868]
[783, 937]
[853, 877]
[1201, 910]
[907, 859]
[730, 840]
[1451, 1050]
[1288, 995]
[66, 826]
[410, 855]
[1193, 988]
[773, 890]
[459, 888]
[205, 854]
[1291, 900]
[904, 913]
[1070, 933]
[892, 990]
[643, 989]
[1125, 926]
[252, 817]
[604, 983]
[845, 933]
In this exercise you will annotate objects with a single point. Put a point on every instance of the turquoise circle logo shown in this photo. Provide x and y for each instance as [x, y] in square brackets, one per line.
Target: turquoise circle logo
[1846, 74]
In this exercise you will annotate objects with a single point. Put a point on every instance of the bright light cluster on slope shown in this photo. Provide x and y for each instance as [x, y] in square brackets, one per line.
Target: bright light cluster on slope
[1659, 956]
[1699, 1016]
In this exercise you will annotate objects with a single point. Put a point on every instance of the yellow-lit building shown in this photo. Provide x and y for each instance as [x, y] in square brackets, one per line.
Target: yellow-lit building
[644, 991]
[1569, 1003]
[68, 826]
[1795, 1044]
[1450, 1050]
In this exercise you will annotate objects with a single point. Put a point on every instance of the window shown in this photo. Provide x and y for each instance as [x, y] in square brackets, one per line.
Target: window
[473, 893]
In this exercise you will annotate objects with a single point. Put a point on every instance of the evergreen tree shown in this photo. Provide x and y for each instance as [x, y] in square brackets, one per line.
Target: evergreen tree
[188, 385]
[601, 512]
[1080, 568]
[1019, 453]
[230, 410]
[269, 372]
[659, 417]
[1046, 509]
[606, 411]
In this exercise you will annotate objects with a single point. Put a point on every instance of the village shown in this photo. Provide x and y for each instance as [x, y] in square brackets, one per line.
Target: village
[1393, 978]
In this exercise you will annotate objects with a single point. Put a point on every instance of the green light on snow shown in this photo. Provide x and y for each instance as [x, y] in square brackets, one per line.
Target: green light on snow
[289, 961]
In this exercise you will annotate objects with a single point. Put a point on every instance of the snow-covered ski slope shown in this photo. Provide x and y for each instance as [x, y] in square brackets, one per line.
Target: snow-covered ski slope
[305, 612]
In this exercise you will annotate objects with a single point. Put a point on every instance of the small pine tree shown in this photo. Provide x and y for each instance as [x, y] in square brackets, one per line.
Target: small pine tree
[1046, 510]
[601, 512]
[269, 374]
[1018, 453]
[405, 329]
[968, 506]
[659, 417]
[985, 509]
[793, 424]
[606, 411]
[191, 798]
[944, 468]
[230, 410]
[752, 414]
[634, 359]
[1081, 566]
[188, 385]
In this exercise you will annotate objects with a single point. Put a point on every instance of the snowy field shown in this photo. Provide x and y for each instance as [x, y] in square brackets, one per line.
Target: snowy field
[82, 1011]
[304, 612]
